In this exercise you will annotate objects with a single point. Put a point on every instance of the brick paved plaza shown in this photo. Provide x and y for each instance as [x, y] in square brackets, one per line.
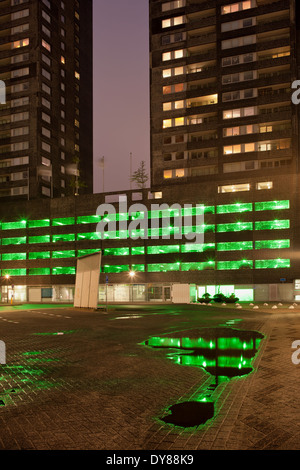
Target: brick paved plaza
[82, 380]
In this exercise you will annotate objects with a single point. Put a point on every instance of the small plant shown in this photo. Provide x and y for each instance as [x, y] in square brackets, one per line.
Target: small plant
[205, 298]
[232, 299]
[219, 298]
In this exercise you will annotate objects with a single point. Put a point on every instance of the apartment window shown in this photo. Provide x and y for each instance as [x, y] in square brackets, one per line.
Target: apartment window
[46, 118]
[238, 6]
[46, 147]
[18, 2]
[176, 21]
[24, 101]
[229, 149]
[233, 25]
[46, 31]
[20, 72]
[20, 58]
[19, 14]
[234, 188]
[46, 59]
[20, 29]
[19, 146]
[46, 132]
[20, 43]
[19, 117]
[264, 185]
[46, 88]
[177, 54]
[19, 131]
[173, 5]
[241, 112]
[177, 88]
[239, 95]
[46, 191]
[46, 74]
[173, 38]
[239, 77]
[238, 42]
[46, 45]
[46, 16]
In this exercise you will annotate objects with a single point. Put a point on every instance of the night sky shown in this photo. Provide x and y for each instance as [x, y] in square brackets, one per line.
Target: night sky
[121, 90]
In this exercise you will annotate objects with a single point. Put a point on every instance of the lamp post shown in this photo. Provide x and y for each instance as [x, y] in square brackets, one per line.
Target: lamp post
[132, 275]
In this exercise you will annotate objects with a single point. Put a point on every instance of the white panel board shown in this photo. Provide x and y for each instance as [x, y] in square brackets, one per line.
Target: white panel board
[181, 293]
[35, 294]
[87, 281]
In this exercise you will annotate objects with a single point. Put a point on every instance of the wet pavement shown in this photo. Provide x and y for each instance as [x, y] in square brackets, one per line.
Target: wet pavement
[150, 377]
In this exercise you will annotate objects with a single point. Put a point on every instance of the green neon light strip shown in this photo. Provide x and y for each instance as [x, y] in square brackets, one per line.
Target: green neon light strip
[87, 252]
[39, 255]
[14, 225]
[138, 250]
[63, 221]
[272, 205]
[37, 240]
[242, 264]
[63, 254]
[39, 272]
[138, 267]
[13, 256]
[234, 227]
[13, 272]
[64, 237]
[198, 266]
[233, 208]
[235, 246]
[116, 252]
[38, 223]
[14, 241]
[163, 267]
[272, 244]
[197, 247]
[272, 225]
[163, 249]
[272, 263]
[58, 271]
[116, 269]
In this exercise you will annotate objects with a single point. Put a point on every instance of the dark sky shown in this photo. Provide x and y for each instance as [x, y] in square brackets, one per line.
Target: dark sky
[121, 90]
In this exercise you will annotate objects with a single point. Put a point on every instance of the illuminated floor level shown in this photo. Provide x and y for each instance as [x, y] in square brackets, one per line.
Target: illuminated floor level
[154, 292]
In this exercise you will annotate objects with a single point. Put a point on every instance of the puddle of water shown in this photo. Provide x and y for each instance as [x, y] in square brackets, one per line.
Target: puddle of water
[190, 413]
[127, 318]
[222, 352]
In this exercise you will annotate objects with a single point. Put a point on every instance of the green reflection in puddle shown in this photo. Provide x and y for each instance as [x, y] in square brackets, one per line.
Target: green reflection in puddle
[57, 333]
[224, 353]
[30, 376]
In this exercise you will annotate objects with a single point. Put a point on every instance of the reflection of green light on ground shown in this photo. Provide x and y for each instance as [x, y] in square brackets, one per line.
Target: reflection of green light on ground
[55, 333]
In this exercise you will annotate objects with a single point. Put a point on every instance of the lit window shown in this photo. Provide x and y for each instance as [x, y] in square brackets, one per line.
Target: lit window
[46, 45]
[167, 174]
[234, 188]
[264, 185]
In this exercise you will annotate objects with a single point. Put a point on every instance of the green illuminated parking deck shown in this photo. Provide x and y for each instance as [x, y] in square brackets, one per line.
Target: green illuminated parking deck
[233, 208]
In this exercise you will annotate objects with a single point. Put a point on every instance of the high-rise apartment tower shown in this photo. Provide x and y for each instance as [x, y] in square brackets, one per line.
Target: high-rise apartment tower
[221, 87]
[46, 120]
